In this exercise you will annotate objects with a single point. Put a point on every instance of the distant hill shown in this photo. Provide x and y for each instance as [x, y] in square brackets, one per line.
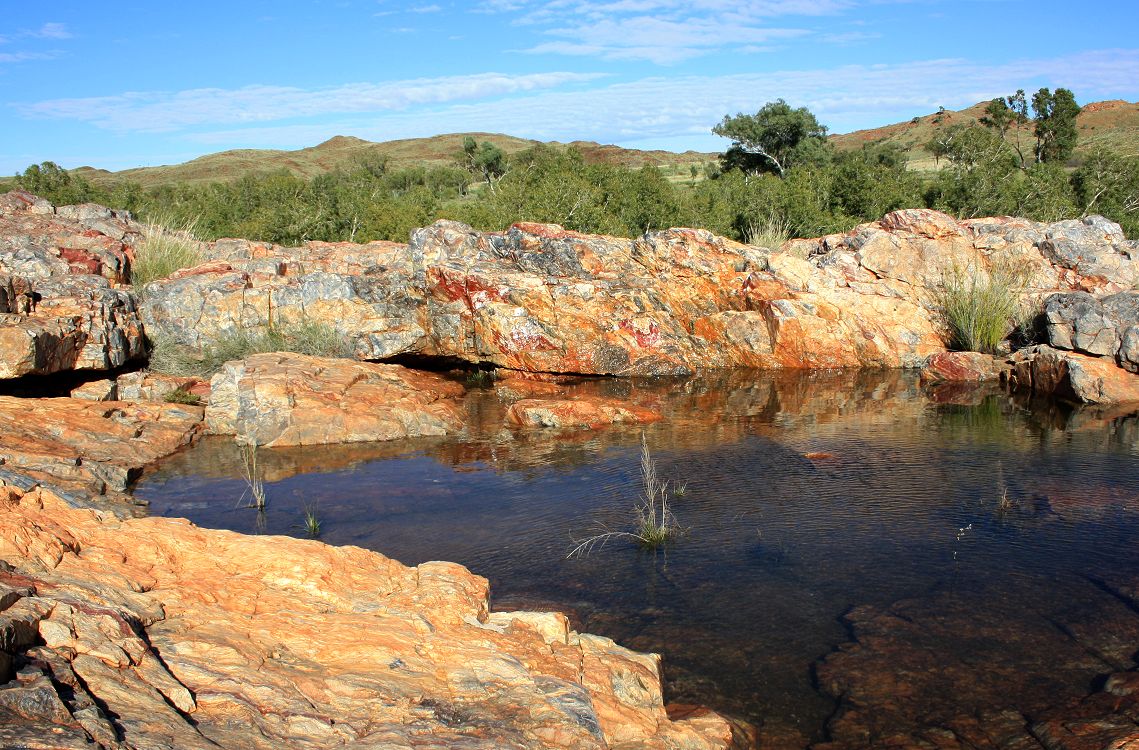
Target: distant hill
[344, 151]
[1112, 123]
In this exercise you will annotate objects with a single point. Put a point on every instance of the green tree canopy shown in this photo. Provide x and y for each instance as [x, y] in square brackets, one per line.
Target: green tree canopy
[774, 139]
[53, 182]
[1005, 114]
[484, 160]
[1055, 124]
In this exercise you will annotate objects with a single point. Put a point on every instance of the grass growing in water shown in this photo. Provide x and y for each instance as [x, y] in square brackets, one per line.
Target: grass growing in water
[312, 521]
[165, 248]
[254, 484]
[308, 337]
[654, 523]
[981, 309]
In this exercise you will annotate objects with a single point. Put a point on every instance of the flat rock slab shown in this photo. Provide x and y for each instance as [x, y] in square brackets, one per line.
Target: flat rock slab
[166, 635]
[90, 447]
[293, 399]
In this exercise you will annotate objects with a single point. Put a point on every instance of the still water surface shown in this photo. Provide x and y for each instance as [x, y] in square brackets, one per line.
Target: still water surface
[900, 501]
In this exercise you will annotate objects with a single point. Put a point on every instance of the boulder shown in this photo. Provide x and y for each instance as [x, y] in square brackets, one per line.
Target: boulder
[293, 399]
[1082, 323]
[1075, 377]
[154, 633]
[1094, 248]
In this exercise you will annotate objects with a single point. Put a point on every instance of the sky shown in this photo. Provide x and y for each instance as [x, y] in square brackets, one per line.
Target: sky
[119, 84]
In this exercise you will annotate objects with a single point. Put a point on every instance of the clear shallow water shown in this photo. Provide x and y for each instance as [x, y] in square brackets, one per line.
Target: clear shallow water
[904, 507]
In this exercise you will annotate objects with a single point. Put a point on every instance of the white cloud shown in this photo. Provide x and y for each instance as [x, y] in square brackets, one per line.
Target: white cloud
[51, 31]
[682, 111]
[660, 31]
[159, 111]
[13, 57]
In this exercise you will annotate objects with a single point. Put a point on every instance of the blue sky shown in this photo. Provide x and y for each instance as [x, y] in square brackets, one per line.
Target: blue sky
[116, 85]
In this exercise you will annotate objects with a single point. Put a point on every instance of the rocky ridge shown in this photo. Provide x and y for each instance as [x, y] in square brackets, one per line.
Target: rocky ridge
[537, 298]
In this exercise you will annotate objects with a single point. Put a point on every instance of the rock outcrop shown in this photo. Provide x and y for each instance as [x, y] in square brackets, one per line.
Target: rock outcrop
[58, 309]
[540, 298]
[293, 399]
[152, 633]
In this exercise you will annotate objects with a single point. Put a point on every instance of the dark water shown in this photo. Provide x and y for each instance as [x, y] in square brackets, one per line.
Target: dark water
[946, 502]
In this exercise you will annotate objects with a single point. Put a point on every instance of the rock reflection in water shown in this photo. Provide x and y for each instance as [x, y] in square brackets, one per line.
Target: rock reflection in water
[930, 570]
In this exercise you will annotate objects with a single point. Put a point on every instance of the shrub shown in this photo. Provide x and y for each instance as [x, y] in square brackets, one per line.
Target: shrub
[165, 248]
[980, 308]
[180, 396]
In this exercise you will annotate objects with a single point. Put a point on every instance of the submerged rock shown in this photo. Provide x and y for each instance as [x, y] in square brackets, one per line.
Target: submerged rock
[155, 633]
[293, 399]
[580, 413]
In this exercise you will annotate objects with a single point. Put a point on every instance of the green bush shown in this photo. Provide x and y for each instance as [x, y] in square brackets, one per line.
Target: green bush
[980, 308]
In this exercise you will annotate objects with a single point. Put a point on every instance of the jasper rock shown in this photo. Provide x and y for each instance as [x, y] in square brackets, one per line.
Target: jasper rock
[580, 413]
[922, 221]
[89, 447]
[1076, 377]
[173, 636]
[66, 323]
[961, 367]
[40, 241]
[293, 399]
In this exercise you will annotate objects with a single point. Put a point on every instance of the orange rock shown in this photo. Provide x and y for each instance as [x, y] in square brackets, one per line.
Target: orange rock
[293, 399]
[90, 446]
[1072, 376]
[191, 638]
[961, 366]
